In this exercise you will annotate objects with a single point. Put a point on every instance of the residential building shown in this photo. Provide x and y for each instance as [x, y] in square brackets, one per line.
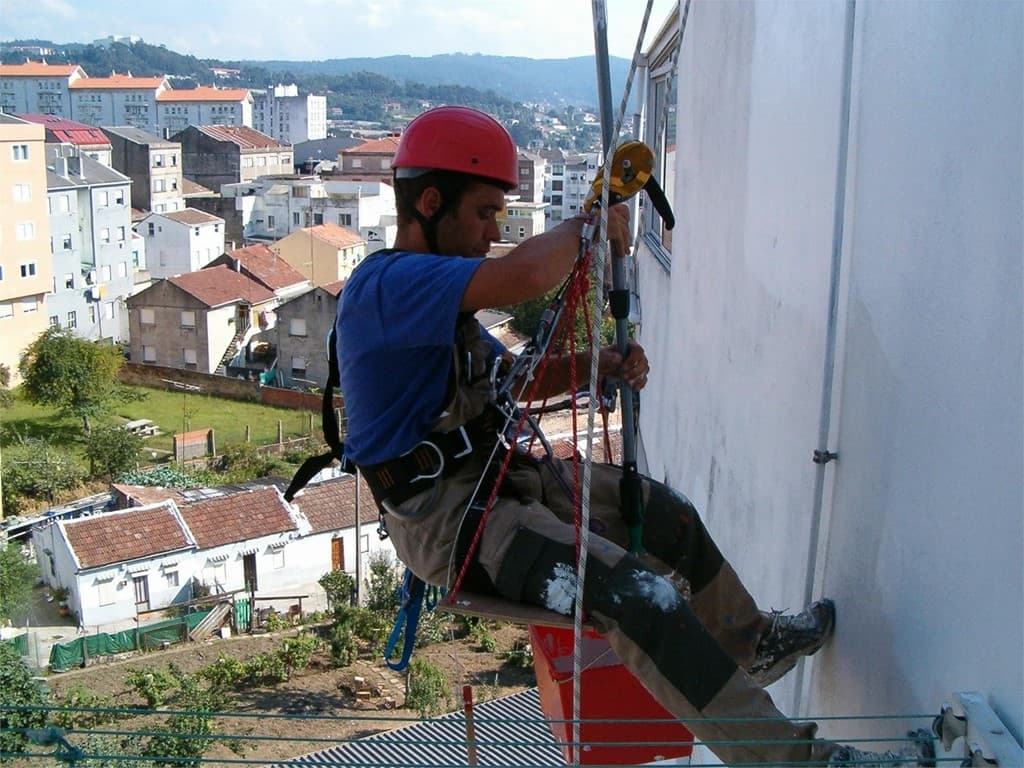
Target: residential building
[521, 220]
[320, 157]
[324, 253]
[90, 141]
[531, 177]
[300, 336]
[91, 245]
[272, 207]
[181, 241]
[38, 88]
[836, 331]
[370, 161]
[580, 172]
[117, 100]
[26, 271]
[282, 113]
[554, 182]
[154, 166]
[177, 109]
[227, 154]
[197, 320]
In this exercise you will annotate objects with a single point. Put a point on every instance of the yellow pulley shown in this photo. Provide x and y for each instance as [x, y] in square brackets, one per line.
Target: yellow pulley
[632, 166]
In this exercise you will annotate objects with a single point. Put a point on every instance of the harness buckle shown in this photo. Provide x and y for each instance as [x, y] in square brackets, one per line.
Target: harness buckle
[467, 446]
[440, 464]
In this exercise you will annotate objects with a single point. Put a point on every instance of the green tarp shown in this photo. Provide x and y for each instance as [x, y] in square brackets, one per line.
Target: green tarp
[66, 655]
[20, 643]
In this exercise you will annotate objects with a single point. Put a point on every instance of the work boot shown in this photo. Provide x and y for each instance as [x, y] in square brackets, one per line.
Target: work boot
[790, 637]
[919, 752]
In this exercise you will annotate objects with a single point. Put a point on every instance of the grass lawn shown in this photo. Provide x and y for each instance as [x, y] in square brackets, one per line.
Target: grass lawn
[171, 412]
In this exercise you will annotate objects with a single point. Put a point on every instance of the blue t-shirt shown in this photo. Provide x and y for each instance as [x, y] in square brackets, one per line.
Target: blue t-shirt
[395, 334]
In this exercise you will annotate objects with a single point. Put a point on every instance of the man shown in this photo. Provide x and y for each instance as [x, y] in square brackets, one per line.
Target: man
[416, 371]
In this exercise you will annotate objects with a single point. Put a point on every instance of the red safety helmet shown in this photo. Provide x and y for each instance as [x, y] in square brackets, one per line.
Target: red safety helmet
[457, 139]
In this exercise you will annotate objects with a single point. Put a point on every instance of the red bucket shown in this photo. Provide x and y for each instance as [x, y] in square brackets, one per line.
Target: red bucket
[642, 731]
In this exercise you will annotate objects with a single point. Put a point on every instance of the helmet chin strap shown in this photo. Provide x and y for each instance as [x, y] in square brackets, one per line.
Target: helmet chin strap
[429, 229]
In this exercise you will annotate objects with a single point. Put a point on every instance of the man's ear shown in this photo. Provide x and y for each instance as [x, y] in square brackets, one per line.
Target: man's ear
[429, 202]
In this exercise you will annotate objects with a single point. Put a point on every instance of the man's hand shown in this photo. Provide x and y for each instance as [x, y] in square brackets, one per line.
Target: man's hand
[633, 370]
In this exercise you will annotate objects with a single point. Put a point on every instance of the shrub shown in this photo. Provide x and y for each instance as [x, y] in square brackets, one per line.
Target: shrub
[295, 652]
[17, 688]
[153, 685]
[384, 583]
[344, 647]
[224, 674]
[80, 697]
[339, 586]
[429, 692]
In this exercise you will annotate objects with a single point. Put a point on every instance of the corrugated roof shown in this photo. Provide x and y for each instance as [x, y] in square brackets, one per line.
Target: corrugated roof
[128, 535]
[89, 171]
[69, 131]
[263, 265]
[204, 93]
[119, 82]
[220, 285]
[508, 731]
[338, 236]
[385, 146]
[239, 517]
[38, 69]
[243, 136]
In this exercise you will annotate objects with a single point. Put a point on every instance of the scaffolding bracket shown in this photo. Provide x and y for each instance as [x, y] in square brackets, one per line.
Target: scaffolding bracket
[986, 740]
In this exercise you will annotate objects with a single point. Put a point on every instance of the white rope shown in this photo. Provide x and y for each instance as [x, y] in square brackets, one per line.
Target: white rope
[595, 320]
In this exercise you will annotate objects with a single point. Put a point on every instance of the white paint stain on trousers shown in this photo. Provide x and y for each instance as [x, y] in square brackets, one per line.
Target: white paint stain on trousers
[560, 590]
[657, 590]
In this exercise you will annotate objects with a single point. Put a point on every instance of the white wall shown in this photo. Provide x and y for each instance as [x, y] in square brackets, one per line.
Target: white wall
[920, 518]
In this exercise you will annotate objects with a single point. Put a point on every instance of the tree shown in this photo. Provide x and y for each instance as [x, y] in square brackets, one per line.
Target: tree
[5, 383]
[112, 451]
[17, 689]
[17, 576]
[37, 470]
[78, 377]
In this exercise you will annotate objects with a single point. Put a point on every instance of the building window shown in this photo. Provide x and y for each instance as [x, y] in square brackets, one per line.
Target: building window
[297, 327]
[54, 321]
[344, 219]
[277, 558]
[298, 367]
[66, 242]
[22, 193]
[158, 161]
[148, 354]
[103, 198]
[295, 218]
[159, 185]
[522, 231]
[6, 310]
[318, 218]
[29, 269]
[105, 235]
[108, 310]
[270, 222]
[69, 281]
[28, 305]
[152, 229]
[188, 319]
[507, 229]
[660, 136]
[19, 152]
[188, 356]
[357, 162]
[247, 162]
[25, 230]
[72, 319]
[122, 269]
[105, 273]
[119, 197]
[106, 592]
[171, 578]
[63, 203]
[120, 234]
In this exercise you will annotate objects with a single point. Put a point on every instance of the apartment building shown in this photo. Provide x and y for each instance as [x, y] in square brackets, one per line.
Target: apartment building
[282, 113]
[521, 220]
[178, 109]
[90, 141]
[580, 172]
[153, 164]
[531, 177]
[323, 254]
[38, 88]
[25, 267]
[178, 242]
[91, 245]
[227, 154]
[117, 100]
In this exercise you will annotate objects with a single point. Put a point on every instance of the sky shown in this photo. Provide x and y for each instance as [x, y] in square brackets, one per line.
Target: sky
[326, 29]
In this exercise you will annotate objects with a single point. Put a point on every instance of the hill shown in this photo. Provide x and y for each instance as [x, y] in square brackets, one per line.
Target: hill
[554, 82]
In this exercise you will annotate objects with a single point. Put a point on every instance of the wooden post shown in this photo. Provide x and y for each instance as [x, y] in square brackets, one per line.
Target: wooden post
[467, 708]
[248, 433]
[280, 431]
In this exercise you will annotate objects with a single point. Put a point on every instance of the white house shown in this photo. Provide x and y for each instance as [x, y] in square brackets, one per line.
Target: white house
[844, 283]
[181, 241]
[38, 87]
[166, 542]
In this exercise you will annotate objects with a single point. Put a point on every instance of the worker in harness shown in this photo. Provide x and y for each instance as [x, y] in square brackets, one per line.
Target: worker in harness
[417, 372]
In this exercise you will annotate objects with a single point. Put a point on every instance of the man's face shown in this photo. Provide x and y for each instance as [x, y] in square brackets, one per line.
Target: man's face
[471, 229]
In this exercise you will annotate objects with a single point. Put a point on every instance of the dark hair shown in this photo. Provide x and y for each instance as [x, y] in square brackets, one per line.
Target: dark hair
[451, 184]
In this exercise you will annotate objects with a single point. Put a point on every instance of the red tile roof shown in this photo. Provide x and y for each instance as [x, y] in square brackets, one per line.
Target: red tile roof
[243, 136]
[38, 69]
[331, 506]
[221, 285]
[144, 495]
[335, 288]
[129, 535]
[384, 146]
[238, 517]
[119, 82]
[68, 131]
[338, 236]
[204, 93]
[263, 265]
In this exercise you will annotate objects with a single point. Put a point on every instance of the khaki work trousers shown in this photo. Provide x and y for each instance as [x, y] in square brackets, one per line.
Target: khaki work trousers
[689, 653]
